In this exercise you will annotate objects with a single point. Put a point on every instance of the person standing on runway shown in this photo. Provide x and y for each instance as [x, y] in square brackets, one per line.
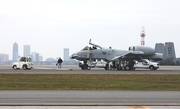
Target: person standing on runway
[59, 63]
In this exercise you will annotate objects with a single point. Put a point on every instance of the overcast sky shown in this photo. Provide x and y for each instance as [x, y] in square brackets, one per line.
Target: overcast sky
[49, 26]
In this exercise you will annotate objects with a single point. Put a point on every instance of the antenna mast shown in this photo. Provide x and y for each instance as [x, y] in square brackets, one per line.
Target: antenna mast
[142, 35]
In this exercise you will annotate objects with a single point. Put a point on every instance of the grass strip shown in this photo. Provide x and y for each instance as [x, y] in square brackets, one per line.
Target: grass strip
[90, 82]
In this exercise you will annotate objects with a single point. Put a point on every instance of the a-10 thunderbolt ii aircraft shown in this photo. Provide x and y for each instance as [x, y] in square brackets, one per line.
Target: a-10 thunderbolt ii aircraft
[88, 54]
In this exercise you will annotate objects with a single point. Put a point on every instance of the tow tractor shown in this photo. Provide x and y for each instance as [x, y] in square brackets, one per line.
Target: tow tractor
[23, 63]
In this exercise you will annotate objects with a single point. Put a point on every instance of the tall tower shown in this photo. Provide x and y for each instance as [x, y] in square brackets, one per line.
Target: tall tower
[15, 52]
[66, 54]
[142, 36]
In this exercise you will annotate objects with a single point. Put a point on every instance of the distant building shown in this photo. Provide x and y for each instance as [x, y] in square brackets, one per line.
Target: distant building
[4, 58]
[15, 52]
[27, 50]
[35, 57]
[51, 60]
[66, 54]
[167, 50]
[159, 47]
[40, 58]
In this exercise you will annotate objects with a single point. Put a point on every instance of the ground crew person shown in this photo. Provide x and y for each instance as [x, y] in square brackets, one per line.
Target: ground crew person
[114, 65]
[117, 64]
[107, 65]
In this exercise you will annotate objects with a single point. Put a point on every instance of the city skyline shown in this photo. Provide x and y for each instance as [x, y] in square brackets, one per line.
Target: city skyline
[27, 52]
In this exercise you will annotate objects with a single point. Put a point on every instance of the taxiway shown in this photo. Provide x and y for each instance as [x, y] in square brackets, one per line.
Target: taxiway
[88, 98]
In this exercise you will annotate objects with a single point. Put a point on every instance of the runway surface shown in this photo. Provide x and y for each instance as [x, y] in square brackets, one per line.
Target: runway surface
[88, 98]
[89, 107]
[74, 69]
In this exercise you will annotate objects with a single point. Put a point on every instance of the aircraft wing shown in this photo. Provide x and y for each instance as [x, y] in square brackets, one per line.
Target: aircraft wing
[127, 55]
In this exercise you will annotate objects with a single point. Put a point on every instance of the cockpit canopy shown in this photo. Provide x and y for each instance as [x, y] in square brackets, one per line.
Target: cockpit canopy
[89, 48]
[85, 48]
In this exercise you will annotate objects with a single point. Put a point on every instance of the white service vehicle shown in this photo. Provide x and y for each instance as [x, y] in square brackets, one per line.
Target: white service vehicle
[145, 63]
[100, 63]
[23, 63]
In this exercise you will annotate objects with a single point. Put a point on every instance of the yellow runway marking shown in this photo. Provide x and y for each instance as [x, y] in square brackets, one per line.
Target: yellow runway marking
[137, 107]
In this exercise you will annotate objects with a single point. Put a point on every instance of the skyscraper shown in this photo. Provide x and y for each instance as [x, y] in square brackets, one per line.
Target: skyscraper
[169, 51]
[27, 50]
[66, 54]
[40, 58]
[35, 57]
[4, 57]
[15, 52]
[159, 47]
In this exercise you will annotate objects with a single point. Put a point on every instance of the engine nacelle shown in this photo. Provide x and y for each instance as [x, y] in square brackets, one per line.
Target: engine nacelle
[146, 50]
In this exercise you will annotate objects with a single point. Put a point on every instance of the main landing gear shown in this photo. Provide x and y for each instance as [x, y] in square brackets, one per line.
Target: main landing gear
[84, 66]
[123, 65]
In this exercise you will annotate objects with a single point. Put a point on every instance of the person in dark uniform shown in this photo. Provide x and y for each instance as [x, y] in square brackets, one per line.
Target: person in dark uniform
[59, 62]
[107, 65]
[132, 64]
[114, 65]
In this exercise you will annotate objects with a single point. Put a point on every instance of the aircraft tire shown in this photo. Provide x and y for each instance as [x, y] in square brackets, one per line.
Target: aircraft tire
[127, 67]
[89, 68]
[85, 67]
[82, 68]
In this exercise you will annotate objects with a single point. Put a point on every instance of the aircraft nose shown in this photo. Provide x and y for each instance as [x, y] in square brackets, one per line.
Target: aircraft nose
[74, 55]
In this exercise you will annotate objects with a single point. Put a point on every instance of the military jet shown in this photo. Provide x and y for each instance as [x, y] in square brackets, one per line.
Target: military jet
[88, 54]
